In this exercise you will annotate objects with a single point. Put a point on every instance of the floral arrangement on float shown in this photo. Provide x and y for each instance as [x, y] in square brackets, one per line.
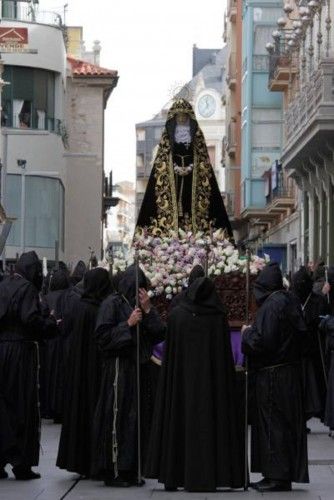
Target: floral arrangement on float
[168, 261]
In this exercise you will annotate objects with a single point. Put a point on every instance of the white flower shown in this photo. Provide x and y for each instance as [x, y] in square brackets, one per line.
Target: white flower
[169, 296]
[228, 269]
[228, 251]
[217, 272]
[168, 289]
[211, 269]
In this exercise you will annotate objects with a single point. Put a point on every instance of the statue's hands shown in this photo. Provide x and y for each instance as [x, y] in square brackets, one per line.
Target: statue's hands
[144, 300]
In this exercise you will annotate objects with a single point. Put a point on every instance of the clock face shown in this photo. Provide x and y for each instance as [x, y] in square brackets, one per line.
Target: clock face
[206, 105]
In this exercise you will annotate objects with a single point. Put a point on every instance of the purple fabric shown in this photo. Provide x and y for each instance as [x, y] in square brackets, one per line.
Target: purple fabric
[236, 347]
[158, 350]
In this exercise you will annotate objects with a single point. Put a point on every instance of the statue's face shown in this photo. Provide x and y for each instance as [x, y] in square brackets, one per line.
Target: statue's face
[182, 118]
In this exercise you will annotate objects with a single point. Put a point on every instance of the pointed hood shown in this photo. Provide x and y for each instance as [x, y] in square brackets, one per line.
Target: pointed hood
[127, 283]
[30, 267]
[269, 280]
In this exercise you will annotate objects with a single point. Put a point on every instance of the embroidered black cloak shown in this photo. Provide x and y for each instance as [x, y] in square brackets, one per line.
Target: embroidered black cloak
[192, 202]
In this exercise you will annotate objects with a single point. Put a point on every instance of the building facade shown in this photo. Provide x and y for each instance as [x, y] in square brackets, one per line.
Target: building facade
[302, 66]
[32, 123]
[267, 217]
[232, 139]
[51, 140]
[121, 219]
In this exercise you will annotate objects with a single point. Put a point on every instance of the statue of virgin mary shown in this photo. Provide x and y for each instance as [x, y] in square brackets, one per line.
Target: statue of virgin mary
[182, 191]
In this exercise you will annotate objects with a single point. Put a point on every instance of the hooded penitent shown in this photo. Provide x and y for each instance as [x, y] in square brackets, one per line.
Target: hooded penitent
[302, 284]
[182, 191]
[270, 280]
[30, 268]
[196, 440]
[83, 377]
[274, 345]
[78, 272]
[127, 283]
[97, 284]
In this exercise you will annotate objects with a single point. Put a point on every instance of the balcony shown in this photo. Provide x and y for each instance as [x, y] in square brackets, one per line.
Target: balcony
[309, 118]
[258, 215]
[231, 140]
[232, 10]
[281, 69]
[231, 78]
[27, 11]
[281, 201]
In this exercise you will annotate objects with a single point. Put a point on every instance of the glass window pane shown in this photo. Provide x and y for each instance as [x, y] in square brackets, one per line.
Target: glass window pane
[23, 83]
[43, 212]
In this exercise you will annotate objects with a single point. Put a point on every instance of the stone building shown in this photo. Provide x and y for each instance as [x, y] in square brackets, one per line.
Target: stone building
[51, 139]
[121, 219]
[301, 67]
[266, 209]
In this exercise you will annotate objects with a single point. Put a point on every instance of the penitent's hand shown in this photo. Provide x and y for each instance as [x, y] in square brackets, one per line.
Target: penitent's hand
[144, 300]
[243, 328]
[136, 317]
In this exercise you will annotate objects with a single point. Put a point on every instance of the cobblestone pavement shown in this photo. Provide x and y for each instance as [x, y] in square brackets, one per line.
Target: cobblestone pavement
[56, 484]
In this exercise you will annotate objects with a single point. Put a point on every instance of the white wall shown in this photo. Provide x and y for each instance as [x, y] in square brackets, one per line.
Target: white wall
[48, 40]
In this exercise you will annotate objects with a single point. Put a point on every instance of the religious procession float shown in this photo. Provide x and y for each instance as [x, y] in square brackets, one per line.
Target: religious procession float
[183, 223]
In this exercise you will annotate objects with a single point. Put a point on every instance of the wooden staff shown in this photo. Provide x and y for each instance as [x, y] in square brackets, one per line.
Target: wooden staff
[322, 356]
[139, 476]
[246, 370]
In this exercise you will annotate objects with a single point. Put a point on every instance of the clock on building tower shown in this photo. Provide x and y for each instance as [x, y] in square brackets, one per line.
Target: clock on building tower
[206, 105]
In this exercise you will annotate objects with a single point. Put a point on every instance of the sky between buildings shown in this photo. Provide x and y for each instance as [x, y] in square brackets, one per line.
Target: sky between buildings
[150, 43]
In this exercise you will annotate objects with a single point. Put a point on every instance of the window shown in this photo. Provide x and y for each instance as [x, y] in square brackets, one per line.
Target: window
[262, 35]
[140, 134]
[29, 100]
[44, 211]
[158, 133]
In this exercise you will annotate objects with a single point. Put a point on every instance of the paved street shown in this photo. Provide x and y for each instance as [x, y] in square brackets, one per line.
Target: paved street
[56, 484]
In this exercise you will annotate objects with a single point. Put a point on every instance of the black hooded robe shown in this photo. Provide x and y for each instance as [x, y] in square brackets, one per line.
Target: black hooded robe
[21, 327]
[115, 421]
[53, 351]
[314, 305]
[274, 346]
[196, 439]
[327, 328]
[83, 377]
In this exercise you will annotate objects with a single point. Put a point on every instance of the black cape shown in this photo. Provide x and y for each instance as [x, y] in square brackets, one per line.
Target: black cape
[83, 376]
[115, 434]
[274, 345]
[21, 327]
[53, 351]
[314, 305]
[327, 328]
[196, 439]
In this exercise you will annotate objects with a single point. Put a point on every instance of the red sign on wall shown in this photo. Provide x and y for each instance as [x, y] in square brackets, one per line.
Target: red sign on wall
[16, 36]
